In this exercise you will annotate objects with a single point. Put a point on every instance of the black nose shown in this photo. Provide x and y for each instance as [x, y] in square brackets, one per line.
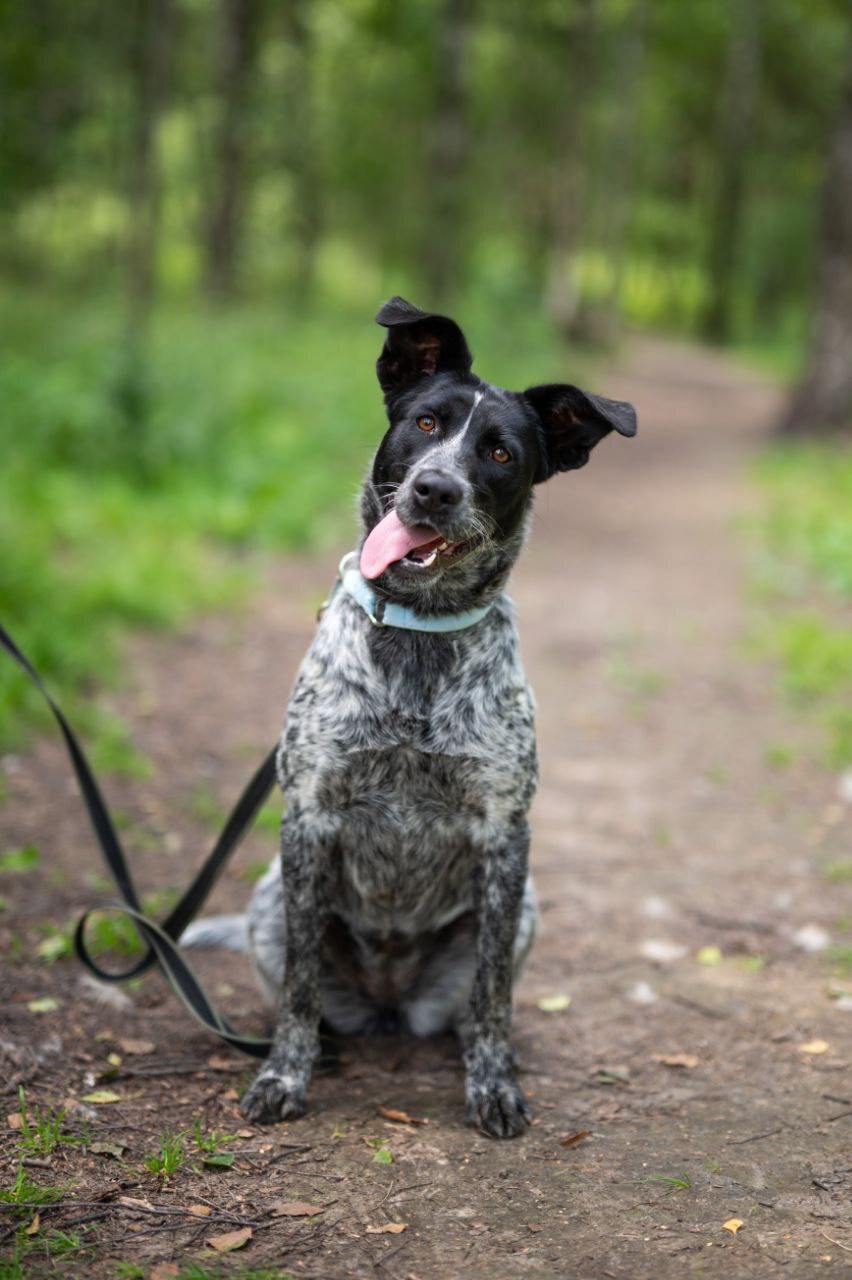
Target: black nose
[436, 491]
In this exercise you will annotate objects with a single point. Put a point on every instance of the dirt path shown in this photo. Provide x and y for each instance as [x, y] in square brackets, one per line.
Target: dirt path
[659, 830]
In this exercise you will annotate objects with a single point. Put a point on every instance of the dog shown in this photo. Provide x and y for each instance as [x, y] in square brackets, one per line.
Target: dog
[401, 900]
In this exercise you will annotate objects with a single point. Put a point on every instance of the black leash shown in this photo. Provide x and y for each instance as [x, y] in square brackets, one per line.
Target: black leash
[160, 938]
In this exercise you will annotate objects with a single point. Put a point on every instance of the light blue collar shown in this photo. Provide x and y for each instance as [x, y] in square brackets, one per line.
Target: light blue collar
[385, 613]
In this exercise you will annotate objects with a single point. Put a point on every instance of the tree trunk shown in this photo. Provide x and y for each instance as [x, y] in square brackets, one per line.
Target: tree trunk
[239, 21]
[575, 49]
[149, 43]
[823, 402]
[736, 112]
[302, 156]
[443, 248]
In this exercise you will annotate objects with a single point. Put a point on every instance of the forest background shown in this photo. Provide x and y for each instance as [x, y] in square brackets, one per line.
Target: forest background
[203, 202]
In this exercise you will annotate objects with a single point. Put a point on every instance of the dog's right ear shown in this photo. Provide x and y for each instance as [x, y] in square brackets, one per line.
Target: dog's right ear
[418, 345]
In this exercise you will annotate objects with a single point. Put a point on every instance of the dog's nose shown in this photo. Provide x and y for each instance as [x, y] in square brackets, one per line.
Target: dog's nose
[437, 491]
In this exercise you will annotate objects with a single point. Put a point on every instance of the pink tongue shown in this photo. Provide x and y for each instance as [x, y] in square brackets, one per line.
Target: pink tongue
[390, 541]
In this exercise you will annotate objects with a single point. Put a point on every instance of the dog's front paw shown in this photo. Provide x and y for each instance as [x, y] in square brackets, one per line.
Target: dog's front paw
[272, 1098]
[497, 1105]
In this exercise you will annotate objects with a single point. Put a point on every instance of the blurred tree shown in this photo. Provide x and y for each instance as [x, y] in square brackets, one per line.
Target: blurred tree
[574, 49]
[149, 34]
[301, 153]
[823, 401]
[448, 149]
[237, 45]
[735, 141]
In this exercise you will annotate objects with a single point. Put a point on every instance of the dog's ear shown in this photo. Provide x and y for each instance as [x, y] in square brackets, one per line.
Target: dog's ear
[572, 422]
[418, 344]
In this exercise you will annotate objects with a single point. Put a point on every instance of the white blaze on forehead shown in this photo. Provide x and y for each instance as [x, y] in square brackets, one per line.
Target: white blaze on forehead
[448, 450]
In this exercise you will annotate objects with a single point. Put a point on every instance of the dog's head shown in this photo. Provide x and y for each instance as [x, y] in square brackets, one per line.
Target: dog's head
[444, 507]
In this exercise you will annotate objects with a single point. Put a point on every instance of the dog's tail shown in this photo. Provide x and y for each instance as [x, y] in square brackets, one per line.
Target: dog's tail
[228, 932]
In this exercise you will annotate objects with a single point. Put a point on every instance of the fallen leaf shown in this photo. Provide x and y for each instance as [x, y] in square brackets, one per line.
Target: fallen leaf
[164, 1271]
[32, 1229]
[114, 1149]
[101, 1097]
[733, 1225]
[137, 1046]
[571, 1139]
[113, 1059]
[199, 1210]
[709, 956]
[400, 1117]
[230, 1240]
[295, 1209]
[661, 951]
[611, 1075]
[15, 1120]
[814, 1046]
[554, 1004]
[133, 1203]
[383, 1156]
[245, 1133]
[687, 1060]
[46, 1004]
[220, 1161]
[218, 1062]
[387, 1229]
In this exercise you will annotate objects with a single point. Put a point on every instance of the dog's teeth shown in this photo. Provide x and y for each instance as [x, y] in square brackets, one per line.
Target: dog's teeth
[431, 556]
[442, 546]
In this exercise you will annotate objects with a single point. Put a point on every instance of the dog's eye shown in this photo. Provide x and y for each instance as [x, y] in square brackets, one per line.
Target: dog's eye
[426, 422]
[500, 454]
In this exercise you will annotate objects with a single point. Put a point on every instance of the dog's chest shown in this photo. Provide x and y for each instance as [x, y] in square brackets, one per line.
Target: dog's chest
[417, 757]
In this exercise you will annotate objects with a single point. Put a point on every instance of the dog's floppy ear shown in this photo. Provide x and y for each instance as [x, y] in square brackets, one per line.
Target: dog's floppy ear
[572, 423]
[418, 344]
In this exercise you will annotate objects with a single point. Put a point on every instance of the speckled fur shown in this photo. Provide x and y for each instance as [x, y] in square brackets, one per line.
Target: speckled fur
[402, 898]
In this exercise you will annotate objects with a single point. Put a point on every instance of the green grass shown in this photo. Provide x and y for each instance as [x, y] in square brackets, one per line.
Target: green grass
[19, 860]
[679, 1182]
[42, 1129]
[805, 570]
[137, 486]
[171, 1156]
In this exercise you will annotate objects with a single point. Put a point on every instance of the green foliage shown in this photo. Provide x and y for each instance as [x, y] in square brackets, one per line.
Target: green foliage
[27, 1195]
[806, 540]
[42, 1128]
[171, 1156]
[23, 859]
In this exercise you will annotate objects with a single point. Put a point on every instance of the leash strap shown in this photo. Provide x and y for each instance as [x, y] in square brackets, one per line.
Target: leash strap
[160, 938]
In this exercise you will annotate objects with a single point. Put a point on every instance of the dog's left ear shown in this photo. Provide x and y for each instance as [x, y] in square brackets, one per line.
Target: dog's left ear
[418, 345]
[573, 421]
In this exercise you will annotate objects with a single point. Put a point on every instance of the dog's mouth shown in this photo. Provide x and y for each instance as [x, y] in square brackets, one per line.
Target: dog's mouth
[415, 548]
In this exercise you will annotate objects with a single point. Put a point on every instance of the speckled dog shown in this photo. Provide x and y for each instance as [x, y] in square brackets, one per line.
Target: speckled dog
[401, 899]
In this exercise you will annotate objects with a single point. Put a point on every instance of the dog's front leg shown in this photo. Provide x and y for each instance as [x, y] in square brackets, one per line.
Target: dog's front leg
[494, 1099]
[280, 1088]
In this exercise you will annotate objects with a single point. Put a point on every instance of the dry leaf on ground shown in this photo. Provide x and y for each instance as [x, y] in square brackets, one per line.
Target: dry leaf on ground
[199, 1210]
[733, 1225]
[136, 1047]
[164, 1271]
[15, 1120]
[686, 1060]
[387, 1228]
[814, 1046]
[400, 1117]
[295, 1209]
[32, 1229]
[571, 1139]
[46, 1004]
[101, 1097]
[554, 1004]
[230, 1240]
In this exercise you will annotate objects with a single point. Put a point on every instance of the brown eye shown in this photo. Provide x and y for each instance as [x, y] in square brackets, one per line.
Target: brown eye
[426, 422]
[500, 454]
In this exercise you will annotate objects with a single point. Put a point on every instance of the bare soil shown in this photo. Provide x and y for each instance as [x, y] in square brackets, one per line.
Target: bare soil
[659, 821]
